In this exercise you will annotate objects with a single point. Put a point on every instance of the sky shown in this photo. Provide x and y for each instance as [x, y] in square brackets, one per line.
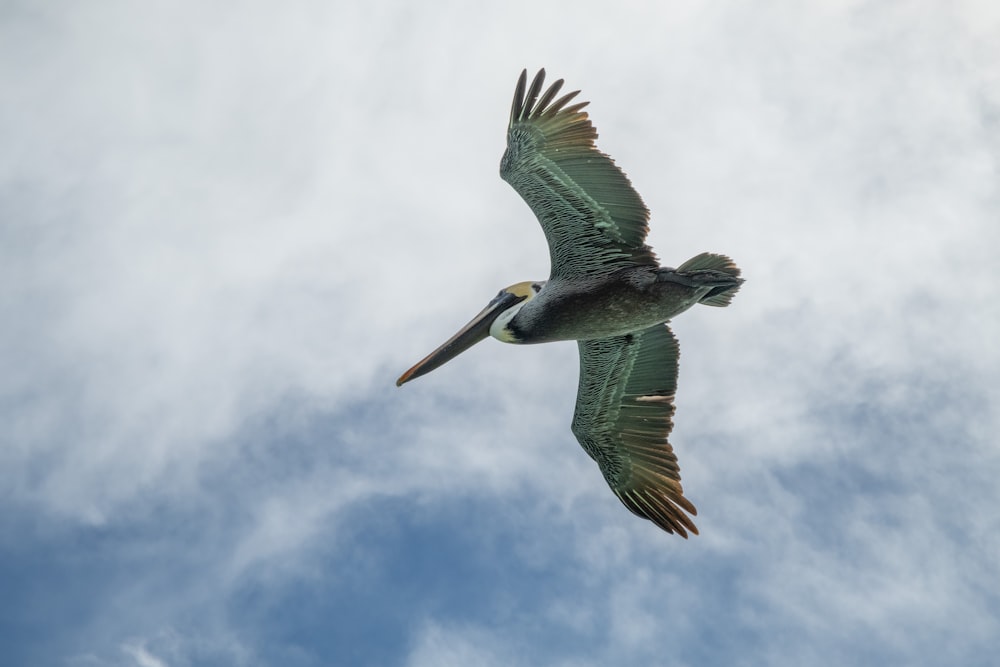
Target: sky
[226, 229]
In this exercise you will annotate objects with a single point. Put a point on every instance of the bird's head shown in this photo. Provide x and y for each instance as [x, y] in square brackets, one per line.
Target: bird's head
[494, 320]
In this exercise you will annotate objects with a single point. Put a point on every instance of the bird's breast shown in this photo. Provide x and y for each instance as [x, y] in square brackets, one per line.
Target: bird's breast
[595, 308]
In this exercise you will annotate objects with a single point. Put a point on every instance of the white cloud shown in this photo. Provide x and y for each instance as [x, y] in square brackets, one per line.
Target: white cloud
[227, 232]
[438, 646]
[141, 656]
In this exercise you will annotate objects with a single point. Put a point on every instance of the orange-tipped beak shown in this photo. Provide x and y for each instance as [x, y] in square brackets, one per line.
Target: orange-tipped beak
[473, 332]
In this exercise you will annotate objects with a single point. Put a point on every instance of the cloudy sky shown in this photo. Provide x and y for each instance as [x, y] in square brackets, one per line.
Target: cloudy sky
[226, 228]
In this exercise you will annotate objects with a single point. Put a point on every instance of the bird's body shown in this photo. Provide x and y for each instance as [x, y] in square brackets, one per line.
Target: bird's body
[628, 300]
[605, 290]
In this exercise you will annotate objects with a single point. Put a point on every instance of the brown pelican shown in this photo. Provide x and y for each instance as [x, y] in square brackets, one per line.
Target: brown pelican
[605, 290]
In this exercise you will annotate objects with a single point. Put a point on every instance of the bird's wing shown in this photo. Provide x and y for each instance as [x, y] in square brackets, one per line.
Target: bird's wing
[594, 221]
[623, 417]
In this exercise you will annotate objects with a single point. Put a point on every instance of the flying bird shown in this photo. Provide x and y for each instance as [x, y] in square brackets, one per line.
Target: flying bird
[607, 291]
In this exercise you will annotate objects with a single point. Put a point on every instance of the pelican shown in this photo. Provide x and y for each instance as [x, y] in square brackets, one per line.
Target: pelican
[607, 291]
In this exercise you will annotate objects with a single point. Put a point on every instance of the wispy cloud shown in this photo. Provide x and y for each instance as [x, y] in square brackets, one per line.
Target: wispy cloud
[142, 657]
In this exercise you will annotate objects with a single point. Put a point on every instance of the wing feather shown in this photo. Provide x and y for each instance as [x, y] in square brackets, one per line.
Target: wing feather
[624, 411]
[593, 219]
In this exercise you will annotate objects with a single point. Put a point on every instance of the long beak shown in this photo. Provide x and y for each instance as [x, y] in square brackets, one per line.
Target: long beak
[473, 332]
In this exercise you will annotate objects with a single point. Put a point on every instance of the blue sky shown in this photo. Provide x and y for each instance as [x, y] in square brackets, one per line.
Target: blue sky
[226, 228]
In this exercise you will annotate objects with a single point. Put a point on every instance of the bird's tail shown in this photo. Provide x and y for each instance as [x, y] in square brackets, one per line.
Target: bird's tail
[715, 271]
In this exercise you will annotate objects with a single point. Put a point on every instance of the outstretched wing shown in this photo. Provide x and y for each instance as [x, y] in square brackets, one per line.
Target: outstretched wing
[594, 221]
[623, 417]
